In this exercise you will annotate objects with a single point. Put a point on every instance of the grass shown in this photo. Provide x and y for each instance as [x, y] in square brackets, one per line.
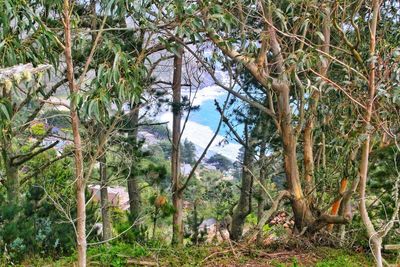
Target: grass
[122, 254]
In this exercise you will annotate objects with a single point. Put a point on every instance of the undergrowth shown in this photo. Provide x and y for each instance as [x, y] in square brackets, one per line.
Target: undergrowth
[124, 254]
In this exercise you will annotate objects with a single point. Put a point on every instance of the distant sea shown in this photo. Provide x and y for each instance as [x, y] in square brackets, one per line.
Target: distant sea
[208, 115]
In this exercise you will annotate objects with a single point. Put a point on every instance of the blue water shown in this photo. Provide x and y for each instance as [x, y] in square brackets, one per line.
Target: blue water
[208, 115]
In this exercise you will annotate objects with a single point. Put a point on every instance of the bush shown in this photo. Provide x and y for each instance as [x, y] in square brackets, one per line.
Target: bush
[35, 227]
[115, 255]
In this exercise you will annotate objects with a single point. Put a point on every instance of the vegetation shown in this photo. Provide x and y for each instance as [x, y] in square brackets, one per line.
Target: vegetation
[221, 162]
[101, 162]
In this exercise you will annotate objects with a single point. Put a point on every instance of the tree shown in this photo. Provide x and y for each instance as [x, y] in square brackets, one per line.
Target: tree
[271, 66]
[220, 162]
[188, 152]
[111, 86]
[10, 125]
[177, 200]
[78, 153]
[27, 50]
[375, 236]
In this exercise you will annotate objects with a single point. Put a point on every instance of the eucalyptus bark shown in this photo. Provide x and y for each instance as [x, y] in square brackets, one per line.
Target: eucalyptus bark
[374, 236]
[177, 194]
[78, 155]
[302, 213]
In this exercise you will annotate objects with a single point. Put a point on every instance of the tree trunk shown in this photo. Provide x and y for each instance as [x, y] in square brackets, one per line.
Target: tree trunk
[309, 127]
[376, 249]
[93, 23]
[195, 226]
[177, 194]
[336, 204]
[105, 214]
[80, 191]
[242, 209]
[78, 155]
[133, 183]
[302, 213]
[309, 158]
[12, 184]
[262, 201]
[155, 223]
[374, 236]
[134, 198]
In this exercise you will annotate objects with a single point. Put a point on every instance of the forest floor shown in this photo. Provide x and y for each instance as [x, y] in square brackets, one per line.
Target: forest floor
[257, 257]
[222, 255]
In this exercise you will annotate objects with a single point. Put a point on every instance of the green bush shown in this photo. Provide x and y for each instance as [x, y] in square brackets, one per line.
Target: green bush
[115, 255]
[35, 227]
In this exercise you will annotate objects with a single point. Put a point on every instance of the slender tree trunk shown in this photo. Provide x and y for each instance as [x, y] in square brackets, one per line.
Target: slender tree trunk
[309, 158]
[302, 213]
[93, 23]
[134, 197]
[79, 174]
[195, 227]
[155, 223]
[177, 194]
[133, 183]
[12, 184]
[80, 191]
[376, 247]
[309, 127]
[242, 209]
[105, 213]
[375, 238]
[262, 202]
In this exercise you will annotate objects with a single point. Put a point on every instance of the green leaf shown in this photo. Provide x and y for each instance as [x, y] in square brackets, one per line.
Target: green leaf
[5, 111]
[321, 36]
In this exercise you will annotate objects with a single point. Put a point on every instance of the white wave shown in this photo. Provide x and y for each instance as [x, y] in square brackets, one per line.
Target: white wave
[210, 92]
[207, 93]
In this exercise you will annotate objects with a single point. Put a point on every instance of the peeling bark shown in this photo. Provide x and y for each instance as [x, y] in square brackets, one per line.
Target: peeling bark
[336, 204]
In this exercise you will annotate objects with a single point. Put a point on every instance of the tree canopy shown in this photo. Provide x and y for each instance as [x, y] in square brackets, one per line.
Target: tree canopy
[119, 120]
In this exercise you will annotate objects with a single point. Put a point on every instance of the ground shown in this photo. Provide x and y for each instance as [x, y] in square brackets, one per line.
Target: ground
[215, 256]
[257, 257]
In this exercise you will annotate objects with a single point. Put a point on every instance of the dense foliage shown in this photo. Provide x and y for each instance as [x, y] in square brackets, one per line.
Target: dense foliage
[100, 161]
